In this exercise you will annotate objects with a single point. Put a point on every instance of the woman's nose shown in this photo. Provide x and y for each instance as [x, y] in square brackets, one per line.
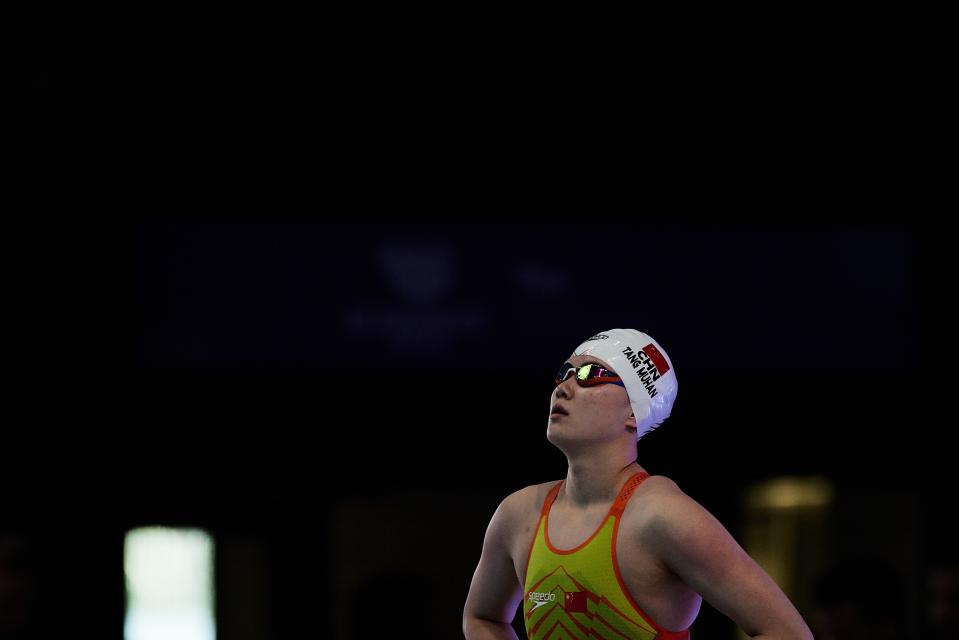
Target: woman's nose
[565, 388]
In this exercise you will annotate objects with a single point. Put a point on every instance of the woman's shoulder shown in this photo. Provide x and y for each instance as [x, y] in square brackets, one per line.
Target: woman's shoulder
[529, 498]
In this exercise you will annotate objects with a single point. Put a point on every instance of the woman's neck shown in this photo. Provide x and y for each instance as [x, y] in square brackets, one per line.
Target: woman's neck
[597, 480]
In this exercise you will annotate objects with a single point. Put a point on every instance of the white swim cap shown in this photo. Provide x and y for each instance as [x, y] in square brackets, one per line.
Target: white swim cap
[645, 369]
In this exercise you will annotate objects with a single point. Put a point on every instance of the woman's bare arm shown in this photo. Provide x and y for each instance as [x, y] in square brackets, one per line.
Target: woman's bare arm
[495, 591]
[697, 548]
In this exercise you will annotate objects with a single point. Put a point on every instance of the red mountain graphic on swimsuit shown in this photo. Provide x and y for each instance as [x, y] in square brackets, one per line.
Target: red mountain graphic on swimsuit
[576, 612]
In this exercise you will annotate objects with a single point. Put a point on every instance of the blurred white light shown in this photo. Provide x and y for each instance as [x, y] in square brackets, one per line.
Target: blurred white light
[169, 583]
[788, 492]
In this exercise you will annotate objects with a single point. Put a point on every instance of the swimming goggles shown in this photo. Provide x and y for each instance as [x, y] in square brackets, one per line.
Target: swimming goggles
[588, 375]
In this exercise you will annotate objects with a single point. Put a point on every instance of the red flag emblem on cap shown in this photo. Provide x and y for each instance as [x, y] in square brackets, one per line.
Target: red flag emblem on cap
[659, 360]
[575, 602]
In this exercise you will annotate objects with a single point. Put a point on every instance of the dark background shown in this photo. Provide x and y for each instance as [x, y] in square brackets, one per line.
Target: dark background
[302, 277]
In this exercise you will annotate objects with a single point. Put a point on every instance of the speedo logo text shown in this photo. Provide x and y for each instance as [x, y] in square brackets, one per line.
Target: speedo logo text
[539, 598]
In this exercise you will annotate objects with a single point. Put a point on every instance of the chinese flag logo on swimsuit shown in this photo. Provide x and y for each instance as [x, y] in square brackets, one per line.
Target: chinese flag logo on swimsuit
[575, 602]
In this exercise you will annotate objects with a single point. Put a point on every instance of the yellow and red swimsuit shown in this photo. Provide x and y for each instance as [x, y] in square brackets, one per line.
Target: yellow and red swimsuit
[579, 594]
